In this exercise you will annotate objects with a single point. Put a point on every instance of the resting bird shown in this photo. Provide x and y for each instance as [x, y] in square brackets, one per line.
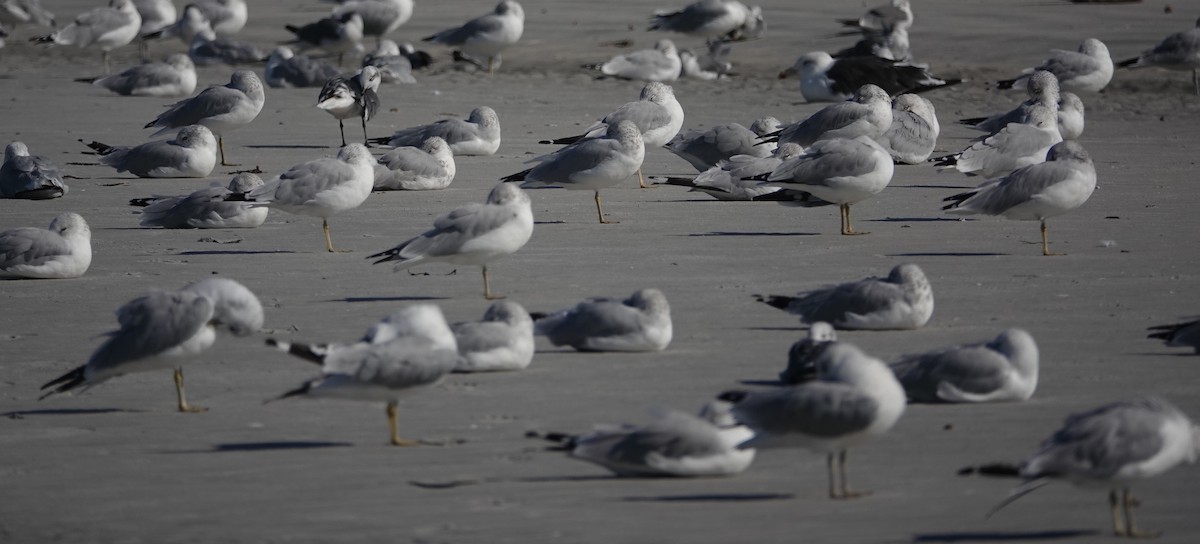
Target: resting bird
[502, 340]
[62, 250]
[174, 77]
[31, 177]
[1004, 369]
[336, 34]
[221, 108]
[1179, 51]
[207, 208]
[103, 28]
[1185, 334]
[713, 20]
[287, 69]
[353, 97]
[641, 322]
[479, 134]
[901, 301]
[1087, 70]
[825, 79]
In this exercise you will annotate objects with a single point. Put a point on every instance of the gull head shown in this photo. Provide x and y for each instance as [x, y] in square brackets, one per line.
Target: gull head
[356, 153]
[14, 150]
[509, 7]
[1068, 150]
[765, 125]
[868, 94]
[718, 412]
[484, 116]
[244, 182]
[1042, 83]
[386, 48]
[821, 331]
[1042, 117]
[70, 225]
[626, 132]
[369, 78]
[808, 65]
[180, 61]
[651, 301]
[247, 82]
[908, 274]
[788, 150]
[281, 53]
[508, 312]
[666, 47]
[507, 193]
[1094, 48]
[419, 320]
[235, 308]
[435, 145]
[657, 91]
[196, 136]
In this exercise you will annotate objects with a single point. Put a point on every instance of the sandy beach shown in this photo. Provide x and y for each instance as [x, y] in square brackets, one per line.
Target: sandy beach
[118, 464]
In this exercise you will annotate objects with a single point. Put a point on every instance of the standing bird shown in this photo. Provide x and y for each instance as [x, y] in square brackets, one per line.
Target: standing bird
[105, 28]
[192, 154]
[825, 79]
[591, 164]
[502, 340]
[64, 250]
[1185, 334]
[164, 329]
[713, 20]
[485, 36]
[353, 97]
[220, 108]
[425, 168]
[914, 130]
[868, 113]
[1004, 369]
[322, 187]
[172, 78]
[639, 323]
[287, 69]
[855, 397]
[706, 149]
[805, 352]
[475, 234]
[837, 171]
[336, 34]
[1179, 51]
[880, 18]
[191, 22]
[31, 177]
[1015, 146]
[1087, 70]
[662, 63]
[207, 208]
[1043, 90]
[1112, 446]
[380, 17]
[226, 17]
[156, 15]
[1036, 192]
[479, 134]
[901, 301]
[411, 349]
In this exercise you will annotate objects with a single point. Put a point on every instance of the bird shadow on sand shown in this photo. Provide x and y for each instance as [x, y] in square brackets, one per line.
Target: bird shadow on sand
[18, 414]
[1180, 354]
[731, 233]
[950, 254]
[283, 445]
[386, 299]
[236, 252]
[919, 220]
[931, 186]
[288, 146]
[766, 383]
[714, 497]
[1005, 536]
[798, 328]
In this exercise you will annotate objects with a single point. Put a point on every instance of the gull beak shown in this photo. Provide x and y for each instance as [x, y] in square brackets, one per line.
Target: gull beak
[787, 73]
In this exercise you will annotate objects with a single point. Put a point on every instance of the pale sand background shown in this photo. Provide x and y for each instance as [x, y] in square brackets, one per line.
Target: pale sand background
[119, 465]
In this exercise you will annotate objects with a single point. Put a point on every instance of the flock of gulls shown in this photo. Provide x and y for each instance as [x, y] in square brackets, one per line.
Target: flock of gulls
[834, 395]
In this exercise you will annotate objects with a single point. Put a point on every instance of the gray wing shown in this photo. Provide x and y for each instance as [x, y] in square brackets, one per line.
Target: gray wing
[30, 246]
[689, 19]
[227, 51]
[478, 336]
[475, 28]
[974, 369]
[645, 114]
[29, 173]
[451, 130]
[301, 71]
[997, 122]
[151, 74]
[592, 319]
[93, 24]
[705, 149]
[414, 160]
[1008, 145]
[150, 325]
[675, 435]
[835, 303]
[1174, 49]
[142, 159]
[183, 211]
[1069, 64]
[211, 102]
[1101, 442]
[1019, 187]
[821, 409]
[400, 363]
[455, 229]
[583, 155]
[831, 117]
[824, 161]
[637, 65]
[910, 136]
[303, 182]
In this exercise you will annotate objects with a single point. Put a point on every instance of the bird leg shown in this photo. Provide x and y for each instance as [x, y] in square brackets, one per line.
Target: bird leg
[845, 492]
[366, 142]
[396, 440]
[600, 211]
[1046, 243]
[642, 179]
[487, 289]
[221, 146]
[342, 130]
[1131, 530]
[328, 240]
[831, 465]
[183, 404]
[846, 228]
[1114, 504]
[491, 66]
[104, 55]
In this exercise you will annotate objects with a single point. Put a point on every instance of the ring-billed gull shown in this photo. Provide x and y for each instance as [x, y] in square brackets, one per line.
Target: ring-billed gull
[855, 397]
[1113, 446]
[805, 352]
[1179, 51]
[737, 178]
[225, 16]
[1043, 90]
[1087, 70]
[661, 63]
[220, 108]
[591, 164]
[704, 149]
[336, 34]
[19, 12]
[868, 113]
[723, 20]
[428, 167]
[837, 171]
[673, 444]
[641, 322]
[192, 154]
[914, 130]
[485, 36]
[322, 187]
[880, 18]
[104, 28]
[1036, 192]
[902, 300]
[207, 208]
[287, 69]
[63, 250]
[156, 15]
[1004, 369]
[31, 177]
[475, 234]
[1185, 334]
[1015, 146]
[690, 67]
[825, 79]
[355, 96]
[411, 349]
[380, 17]
[174, 77]
[164, 329]
[657, 114]
[394, 66]
[891, 44]
[191, 22]
[502, 340]
[207, 48]
[479, 134]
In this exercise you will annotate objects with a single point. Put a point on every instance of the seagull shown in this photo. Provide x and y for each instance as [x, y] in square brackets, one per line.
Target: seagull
[1112, 446]
[207, 208]
[901, 301]
[322, 187]
[380, 17]
[891, 44]
[1070, 116]
[208, 48]
[502, 340]
[1043, 90]
[1004, 369]
[192, 154]
[854, 397]
[19, 12]
[478, 135]
[675, 444]
[837, 171]
[737, 178]
[1087, 70]
[287, 69]
[825, 79]
[880, 18]
[1179, 51]
[486, 35]
[220, 108]
[1185, 334]
[1016, 146]
[428, 167]
[225, 16]
[61, 251]
[411, 349]
[31, 177]
[914, 131]
[713, 20]
[661, 63]
[641, 322]
[475, 234]
[704, 149]
[191, 22]
[104, 28]
[355, 96]
[156, 15]
[656, 114]
[690, 66]
[590, 164]
[164, 329]
[394, 65]
[804, 354]
[174, 77]
[334, 34]
[868, 113]
[1036, 192]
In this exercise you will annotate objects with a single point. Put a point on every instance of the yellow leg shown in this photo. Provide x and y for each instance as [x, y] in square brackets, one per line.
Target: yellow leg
[221, 145]
[831, 466]
[487, 288]
[847, 229]
[183, 404]
[1046, 243]
[845, 491]
[1131, 529]
[491, 66]
[642, 180]
[1114, 504]
[328, 240]
[600, 211]
[396, 440]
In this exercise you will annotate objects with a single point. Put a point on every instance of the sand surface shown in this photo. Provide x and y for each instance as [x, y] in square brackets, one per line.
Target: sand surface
[117, 464]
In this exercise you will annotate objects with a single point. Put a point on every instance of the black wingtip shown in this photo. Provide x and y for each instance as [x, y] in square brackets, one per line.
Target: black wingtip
[86, 79]
[1128, 62]
[992, 470]
[733, 397]
[776, 301]
[101, 148]
[972, 121]
[64, 383]
[142, 202]
[519, 176]
[567, 140]
[957, 200]
[1005, 84]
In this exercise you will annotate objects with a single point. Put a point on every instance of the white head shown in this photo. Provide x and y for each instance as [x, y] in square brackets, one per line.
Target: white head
[666, 47]
[870, 94]
[765, 125]
[386, 48]
[651, 301]
[196, 136]
[657, 92]
[821, 331]
[907, 274]
[809, 65]
[484, 116]
[70, 225]
[419, 320]
[719, 413]
[235, 308]
[1042, 117]
[247, 82]
[1043, 84]
[435, 145]
[356, 153]
[15, 149]
[508, 312]
[180, 61]
[1094, 48]
[509, 7]
[626, 132]
[506, 193]
[1068, 150]
[788, 150]
[243, 182]
[282, 52]
[369, 78]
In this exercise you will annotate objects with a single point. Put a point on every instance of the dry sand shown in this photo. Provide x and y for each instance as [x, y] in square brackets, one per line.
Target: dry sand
[117, 464]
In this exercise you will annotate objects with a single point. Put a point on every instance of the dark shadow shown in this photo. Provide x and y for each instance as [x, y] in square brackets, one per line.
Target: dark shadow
[287, 146]
[386, 299]
[547, 479]
[768, 383]
[715, 497]
[18, 414]
[918, 220]
[235, 252]
[726, 233]
[932, 186]
[276, 446]
[560, 222]
[950, 254]
[1167, 354]
[791, 329]
[1005, 537]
